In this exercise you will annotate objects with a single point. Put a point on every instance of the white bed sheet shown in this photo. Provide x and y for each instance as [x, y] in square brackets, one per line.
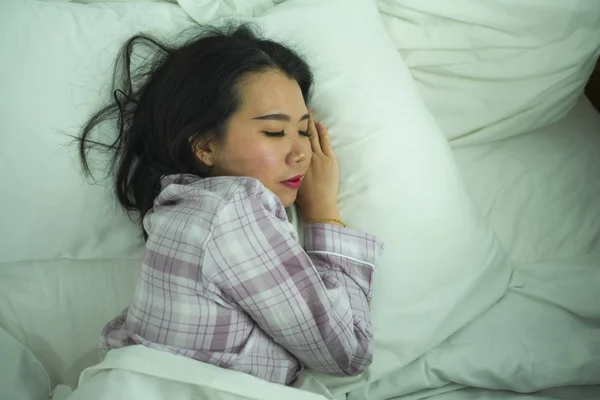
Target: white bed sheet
[22, 377]
[540, 191]
[57, 308]
[545, 333]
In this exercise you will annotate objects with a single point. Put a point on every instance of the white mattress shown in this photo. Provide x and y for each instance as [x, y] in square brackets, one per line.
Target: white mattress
[540, 192]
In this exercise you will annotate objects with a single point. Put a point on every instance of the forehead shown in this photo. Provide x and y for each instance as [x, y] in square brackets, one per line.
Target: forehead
[271, 92]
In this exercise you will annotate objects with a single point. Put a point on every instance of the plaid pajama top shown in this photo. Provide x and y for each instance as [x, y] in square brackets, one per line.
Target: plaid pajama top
[225, 281]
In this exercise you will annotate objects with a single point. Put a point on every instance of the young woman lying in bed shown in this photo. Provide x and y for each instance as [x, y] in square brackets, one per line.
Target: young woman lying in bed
[213, 144]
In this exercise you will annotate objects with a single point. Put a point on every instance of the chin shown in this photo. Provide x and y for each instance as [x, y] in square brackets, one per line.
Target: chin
[287, 200]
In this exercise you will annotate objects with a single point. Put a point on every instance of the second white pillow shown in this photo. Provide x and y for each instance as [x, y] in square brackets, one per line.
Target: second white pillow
[498, 68]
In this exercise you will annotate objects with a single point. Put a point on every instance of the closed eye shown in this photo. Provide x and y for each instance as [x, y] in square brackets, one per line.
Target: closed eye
[282, 133]
[274, 134]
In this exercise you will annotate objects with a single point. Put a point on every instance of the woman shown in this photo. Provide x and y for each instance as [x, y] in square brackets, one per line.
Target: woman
[215, 140]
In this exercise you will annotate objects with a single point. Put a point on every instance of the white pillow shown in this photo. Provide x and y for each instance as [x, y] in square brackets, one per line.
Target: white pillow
[442, 266]
[492, 69]
[204, 11]
[61, 59]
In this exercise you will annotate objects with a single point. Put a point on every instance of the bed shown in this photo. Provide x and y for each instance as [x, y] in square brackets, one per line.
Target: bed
[489, 289]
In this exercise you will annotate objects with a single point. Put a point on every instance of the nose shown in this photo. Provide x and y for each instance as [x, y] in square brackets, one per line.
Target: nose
[297, 153]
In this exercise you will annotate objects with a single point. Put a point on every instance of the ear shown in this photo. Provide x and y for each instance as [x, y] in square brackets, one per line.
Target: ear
[205, 150]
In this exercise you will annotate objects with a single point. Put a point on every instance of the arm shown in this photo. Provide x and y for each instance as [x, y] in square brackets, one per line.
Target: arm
[344, 256]
[314, 303]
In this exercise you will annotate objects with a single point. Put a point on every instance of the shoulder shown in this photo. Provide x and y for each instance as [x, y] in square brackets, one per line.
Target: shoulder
[203, 202]
[251, 199]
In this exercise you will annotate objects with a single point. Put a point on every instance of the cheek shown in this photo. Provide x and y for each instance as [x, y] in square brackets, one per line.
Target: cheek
[253, 158]
[267, 153]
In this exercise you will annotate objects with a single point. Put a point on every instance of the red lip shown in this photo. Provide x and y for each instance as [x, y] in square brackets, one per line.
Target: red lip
[294, 183]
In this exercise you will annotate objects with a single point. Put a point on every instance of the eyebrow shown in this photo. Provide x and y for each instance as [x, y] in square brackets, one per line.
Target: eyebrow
[280, 117]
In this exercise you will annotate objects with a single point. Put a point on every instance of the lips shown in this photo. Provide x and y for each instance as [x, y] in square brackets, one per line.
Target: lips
[293, 183]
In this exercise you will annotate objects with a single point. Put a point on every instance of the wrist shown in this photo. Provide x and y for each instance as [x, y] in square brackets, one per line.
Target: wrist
[327, 212]
[328, 221]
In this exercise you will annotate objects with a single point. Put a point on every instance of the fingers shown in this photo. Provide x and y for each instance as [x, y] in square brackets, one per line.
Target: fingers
[315, 142]
[324, 139]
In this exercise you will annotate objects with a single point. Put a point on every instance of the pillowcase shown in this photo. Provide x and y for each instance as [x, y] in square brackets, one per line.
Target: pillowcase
[204, 12]
[493, 69]
[63, 54]
[62, 78]
[442, 266]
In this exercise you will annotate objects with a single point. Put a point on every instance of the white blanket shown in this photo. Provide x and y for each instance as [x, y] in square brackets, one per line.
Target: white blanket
[137, 372]
[545, 333]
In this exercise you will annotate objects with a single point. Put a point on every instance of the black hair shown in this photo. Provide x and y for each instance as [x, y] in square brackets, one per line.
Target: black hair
[178, 96]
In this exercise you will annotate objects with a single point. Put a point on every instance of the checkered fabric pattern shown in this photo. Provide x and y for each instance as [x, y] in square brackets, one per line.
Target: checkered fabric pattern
[225, 281]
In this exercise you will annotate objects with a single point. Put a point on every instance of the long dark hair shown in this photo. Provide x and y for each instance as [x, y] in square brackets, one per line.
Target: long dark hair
[176, 97]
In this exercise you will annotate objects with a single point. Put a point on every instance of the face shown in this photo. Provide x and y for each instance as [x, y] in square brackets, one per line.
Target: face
[267, 138]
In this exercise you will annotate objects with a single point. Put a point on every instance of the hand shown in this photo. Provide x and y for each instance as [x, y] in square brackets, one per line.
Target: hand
[317, 197]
